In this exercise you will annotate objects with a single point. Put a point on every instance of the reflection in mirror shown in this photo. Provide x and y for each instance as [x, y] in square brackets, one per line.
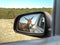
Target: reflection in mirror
[42, 25]
[28, 23]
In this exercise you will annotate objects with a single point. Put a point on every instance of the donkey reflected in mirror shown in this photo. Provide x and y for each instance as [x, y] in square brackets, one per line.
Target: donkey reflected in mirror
[27, 26]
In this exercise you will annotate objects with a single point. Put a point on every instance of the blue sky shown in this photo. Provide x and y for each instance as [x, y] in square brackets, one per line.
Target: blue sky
[26, 3]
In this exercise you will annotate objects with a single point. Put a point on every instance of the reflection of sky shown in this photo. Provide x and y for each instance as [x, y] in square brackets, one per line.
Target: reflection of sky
[35, 17]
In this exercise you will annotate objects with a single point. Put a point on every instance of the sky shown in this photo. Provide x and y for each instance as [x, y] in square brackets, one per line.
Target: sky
[26, 3]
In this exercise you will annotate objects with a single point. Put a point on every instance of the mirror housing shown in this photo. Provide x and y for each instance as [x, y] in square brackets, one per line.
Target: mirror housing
[48, 20]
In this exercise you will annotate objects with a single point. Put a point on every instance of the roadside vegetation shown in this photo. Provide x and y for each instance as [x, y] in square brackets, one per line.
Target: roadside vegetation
[11, 13]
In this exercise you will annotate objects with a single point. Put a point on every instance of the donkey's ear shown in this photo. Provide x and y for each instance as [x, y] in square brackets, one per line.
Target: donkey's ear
[26, 18]
[32, 17]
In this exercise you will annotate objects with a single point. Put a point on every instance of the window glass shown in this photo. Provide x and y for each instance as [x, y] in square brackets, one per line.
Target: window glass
[10, 9]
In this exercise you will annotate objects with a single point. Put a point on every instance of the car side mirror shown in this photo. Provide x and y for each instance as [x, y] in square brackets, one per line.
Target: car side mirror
[33, 24]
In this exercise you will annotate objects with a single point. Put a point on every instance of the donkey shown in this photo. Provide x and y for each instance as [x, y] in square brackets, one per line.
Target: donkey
[27, 26]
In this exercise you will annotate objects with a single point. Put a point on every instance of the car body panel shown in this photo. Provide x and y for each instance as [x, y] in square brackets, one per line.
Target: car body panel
[46, 41]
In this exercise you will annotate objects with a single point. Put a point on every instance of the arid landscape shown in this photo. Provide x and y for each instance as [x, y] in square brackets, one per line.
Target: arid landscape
[7, 33]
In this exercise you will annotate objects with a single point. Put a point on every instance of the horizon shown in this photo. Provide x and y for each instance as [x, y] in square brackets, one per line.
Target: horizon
[26, 3]
[23, 8]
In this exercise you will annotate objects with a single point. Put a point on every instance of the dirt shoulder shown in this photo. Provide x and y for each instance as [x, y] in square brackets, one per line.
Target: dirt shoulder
[7, 33]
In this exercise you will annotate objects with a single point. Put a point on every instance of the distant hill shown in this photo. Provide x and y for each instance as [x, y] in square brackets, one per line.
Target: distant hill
[11, 13]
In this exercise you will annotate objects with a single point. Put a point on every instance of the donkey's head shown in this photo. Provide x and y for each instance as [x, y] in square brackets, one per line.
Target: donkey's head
[29, 22]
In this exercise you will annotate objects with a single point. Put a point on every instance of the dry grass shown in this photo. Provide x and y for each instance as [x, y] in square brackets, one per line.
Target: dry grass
[7, 33]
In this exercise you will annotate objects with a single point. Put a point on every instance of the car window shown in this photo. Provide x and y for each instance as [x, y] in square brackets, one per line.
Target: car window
[10, 9]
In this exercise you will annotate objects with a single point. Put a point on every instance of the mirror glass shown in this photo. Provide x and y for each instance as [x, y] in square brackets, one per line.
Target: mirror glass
[29, 23]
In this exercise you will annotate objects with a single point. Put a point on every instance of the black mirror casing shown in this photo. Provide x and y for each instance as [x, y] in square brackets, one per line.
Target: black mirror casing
[48, 20]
